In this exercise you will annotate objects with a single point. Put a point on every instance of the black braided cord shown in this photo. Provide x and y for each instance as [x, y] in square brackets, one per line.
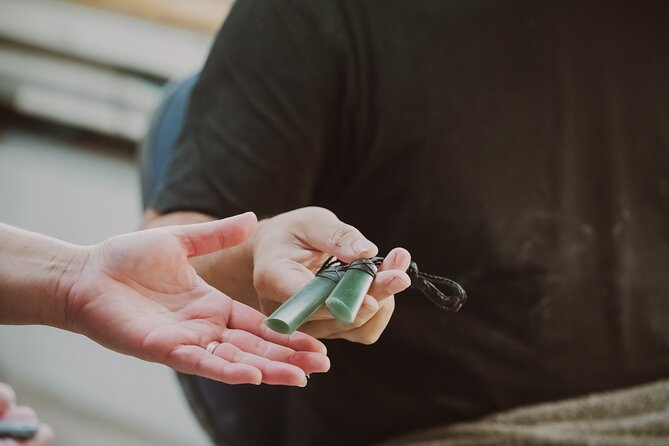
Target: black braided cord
[427, 284]
[451, 299]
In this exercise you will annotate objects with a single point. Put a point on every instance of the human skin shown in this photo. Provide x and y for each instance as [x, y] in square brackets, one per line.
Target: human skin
[138, 294]
[9, 411]
[283, 254]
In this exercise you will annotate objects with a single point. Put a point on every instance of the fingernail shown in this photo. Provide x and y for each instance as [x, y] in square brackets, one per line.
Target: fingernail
[304, 383]
[364, 247]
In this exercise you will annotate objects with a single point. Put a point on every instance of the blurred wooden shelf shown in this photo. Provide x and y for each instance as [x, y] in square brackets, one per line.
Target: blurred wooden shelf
[101, 65]
[199, 15]
[71, 92]
[104, 37]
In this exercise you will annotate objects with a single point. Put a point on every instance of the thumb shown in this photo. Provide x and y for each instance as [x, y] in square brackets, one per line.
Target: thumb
[204, 238]
[325, 232]
[7, 398]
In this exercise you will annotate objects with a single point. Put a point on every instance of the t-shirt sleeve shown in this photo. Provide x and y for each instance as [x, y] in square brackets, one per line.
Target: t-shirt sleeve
[261, 117]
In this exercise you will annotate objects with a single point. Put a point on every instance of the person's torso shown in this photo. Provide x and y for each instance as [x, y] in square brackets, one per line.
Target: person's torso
[521, 148]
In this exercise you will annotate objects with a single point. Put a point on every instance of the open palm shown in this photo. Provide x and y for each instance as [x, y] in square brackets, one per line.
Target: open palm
[138, 294]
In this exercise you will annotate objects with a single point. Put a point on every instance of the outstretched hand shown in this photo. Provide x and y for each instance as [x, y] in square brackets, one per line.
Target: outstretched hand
[138, 294]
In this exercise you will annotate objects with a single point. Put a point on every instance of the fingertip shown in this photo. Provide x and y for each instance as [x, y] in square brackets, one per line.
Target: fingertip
[321, 348]
[311, 362]
[7, 397]
[389, 282]
[244, 223]
[284, 374]
[24, 412]
[399, 283]
[241, 374]
[249, 216]
[204, 238]
[326, 365]
[303, 342]
[398, 258]
[403, 277]
[363, 248]
[405, 258]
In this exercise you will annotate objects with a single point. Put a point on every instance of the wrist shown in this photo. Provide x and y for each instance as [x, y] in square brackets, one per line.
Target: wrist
[36, 273]
[60, 276]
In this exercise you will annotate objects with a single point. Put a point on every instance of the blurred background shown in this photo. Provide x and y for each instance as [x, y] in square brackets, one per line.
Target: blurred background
[79, 81]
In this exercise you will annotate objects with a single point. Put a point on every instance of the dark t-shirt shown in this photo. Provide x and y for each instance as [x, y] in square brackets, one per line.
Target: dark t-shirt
[519, 147]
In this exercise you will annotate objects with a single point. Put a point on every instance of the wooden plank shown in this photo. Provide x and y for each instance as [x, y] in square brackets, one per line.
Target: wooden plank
[200, 15]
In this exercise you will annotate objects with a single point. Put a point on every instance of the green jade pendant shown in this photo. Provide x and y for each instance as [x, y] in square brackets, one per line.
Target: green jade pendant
[343, 287]
[302, 305]
[347, 297]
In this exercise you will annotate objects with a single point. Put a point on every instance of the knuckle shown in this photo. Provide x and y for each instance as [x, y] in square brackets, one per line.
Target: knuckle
[238, 356]
[340, 234]
[305, 217]
[262, 348]
[199, 366]
[317, 211]
[225, 336]
[174, 358]
[227, 351]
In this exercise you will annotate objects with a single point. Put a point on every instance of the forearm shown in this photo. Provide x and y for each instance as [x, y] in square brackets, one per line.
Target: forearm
[229, 270]
[36, 273]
